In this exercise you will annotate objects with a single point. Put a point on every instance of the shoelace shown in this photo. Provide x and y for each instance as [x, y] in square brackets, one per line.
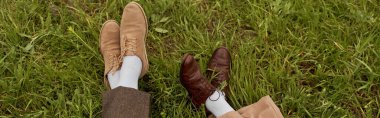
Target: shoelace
[115, 62]
[130, 45]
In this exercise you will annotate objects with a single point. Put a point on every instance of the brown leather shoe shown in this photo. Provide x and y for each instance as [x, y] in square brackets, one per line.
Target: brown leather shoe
[196, 84]
[133, 31]
[109, 43]
[219, 67]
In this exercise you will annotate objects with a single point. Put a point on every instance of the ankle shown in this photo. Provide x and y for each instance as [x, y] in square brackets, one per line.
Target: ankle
[217, 104]
[130, 72]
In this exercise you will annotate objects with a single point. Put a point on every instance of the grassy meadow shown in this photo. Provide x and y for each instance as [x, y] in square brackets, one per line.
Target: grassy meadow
[315, 58]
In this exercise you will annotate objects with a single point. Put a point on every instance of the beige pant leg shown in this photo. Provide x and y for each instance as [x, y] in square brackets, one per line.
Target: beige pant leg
[264, 108]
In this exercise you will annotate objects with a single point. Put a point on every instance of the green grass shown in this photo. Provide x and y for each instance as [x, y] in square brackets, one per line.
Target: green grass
[315, 58]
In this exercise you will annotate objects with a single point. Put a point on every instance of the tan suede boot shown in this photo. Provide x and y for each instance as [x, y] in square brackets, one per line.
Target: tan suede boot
[133, 30]
[110, 48]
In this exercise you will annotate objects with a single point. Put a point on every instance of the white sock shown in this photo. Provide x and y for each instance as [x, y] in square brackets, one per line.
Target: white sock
[130, 72]
[217, 104]
[113, 79]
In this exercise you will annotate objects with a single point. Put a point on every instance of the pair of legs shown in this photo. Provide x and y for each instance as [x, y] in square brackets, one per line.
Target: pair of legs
[213, 94]
[198, 86]
[123, 48]
[125, 60]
